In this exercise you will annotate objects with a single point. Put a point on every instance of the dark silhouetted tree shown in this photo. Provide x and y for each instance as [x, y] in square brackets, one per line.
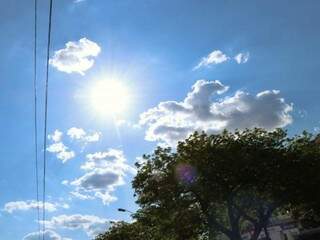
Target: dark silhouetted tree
[233, 181]
[224, 184]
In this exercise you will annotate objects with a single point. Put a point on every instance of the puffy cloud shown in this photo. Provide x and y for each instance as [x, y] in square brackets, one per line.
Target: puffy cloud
[56, 136]
[90, 224]
[104, 171]
[213, 58]
[48, 235]
[242, 57]
[80, 134]
[112, 159]
[65, 155]
[57, 147]
[98, 179]
[93, 137]
[76, 56]
[11, 207]
[62, 151]
[76, 133]
[172, 121]
[199, 99]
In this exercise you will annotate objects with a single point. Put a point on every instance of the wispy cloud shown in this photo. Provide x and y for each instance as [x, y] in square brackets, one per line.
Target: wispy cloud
[76, 57]
[11, 207]
[241, 58]
[48, 235]
[90, 224]
[215, 57]
[80, 134]
[218, 57]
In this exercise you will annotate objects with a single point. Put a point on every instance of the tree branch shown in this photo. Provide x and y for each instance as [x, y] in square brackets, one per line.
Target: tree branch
[263, 221]
[212, 221]
[247, 217]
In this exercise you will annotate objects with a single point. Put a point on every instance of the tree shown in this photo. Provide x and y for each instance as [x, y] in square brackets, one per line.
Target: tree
[224, 184]
[230, 182]
[302, 187]
[125, 231]
[145, 226]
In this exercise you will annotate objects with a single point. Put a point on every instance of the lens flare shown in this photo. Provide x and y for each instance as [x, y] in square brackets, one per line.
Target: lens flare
[186, 173]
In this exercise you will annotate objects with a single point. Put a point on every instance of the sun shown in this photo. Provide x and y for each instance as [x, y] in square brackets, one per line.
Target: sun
[109, 97]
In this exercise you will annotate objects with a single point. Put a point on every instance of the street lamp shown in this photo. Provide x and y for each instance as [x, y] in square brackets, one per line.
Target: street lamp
[124, 210]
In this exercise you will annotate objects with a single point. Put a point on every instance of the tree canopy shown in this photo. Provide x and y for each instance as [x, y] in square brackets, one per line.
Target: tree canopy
[225, 184]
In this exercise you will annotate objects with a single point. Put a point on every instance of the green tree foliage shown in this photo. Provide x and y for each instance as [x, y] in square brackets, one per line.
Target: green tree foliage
[122, 231]
[225, 184]
[304, 183]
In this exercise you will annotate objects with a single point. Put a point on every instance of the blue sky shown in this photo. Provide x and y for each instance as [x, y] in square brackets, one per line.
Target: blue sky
[173, 66]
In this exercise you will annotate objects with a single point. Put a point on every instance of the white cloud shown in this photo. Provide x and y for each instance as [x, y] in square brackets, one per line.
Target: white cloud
[76, 56]
[242, 57]
[48, 235]
[104, 171]
[217, 57]
[81, 196]
[56, 147]
[56, 136]
[66, 155]
[112, 159]
[90, 224]
[141, 160]
[213, 58]
[93, 137]
[62, 151]
[172, 121]
[80, 134]
[98, 179]
[76, 133]
[11, 207]
[65, 182]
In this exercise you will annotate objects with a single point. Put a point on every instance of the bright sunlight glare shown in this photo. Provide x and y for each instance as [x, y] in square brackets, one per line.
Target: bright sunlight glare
[109, 97]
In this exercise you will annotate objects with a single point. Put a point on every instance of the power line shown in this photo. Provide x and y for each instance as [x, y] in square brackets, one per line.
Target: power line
[35, 111]
[45, 125]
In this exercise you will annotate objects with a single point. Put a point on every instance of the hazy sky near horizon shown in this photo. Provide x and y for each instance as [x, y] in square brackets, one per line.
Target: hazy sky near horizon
[126, 76]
